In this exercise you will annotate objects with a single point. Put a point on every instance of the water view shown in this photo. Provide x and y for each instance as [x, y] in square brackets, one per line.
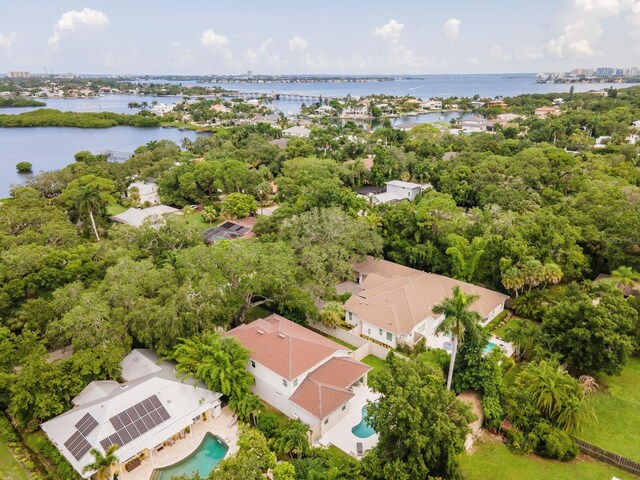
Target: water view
[204, 459]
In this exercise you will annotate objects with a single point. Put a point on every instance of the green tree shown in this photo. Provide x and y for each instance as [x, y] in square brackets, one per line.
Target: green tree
[102, 463]
[24, 167]
[284, 471]
[465, 256]
[89, 200]
[421, 425]
[457, 318]
[252, 462]
[239, 205]
[522, 333]
[293, 440]
[625, 277]
[332, 314]
[247, 408]
[220, 362]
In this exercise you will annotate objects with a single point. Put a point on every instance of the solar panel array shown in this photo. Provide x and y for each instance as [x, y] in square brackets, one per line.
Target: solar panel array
[77, 443]
[136, 421]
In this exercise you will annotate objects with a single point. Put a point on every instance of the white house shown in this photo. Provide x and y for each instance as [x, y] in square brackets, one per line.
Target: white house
[355, 111]
[297, 131]
[161, 109]
[325, 110]
[139, 415]
[393, 304]
[147, 192]
[432, 105]
[136, 216]
[299, 372]
[473, 124]
[397, 190]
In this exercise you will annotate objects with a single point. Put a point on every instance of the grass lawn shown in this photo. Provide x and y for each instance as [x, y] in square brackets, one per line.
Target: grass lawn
[617, 408]
[197, 220]
[492, 459]
[374, 362]
[257, 312]
[10, 469]
[115, 209]
[512, 373]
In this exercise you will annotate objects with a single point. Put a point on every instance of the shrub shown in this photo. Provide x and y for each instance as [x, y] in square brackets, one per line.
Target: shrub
[24, 167]
[269, 424]
[555, 443]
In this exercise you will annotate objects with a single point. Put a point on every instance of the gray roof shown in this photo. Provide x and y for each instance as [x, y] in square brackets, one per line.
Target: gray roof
[136, 216]
[401, 184]
[102, 403]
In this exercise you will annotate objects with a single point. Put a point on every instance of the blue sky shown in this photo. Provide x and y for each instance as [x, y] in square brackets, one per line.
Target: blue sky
[348, 36]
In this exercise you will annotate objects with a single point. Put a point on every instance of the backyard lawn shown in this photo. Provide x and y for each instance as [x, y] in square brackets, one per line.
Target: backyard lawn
[374, 362]
[115, 209]
[492, 459]
[10, 469]
[617, 408]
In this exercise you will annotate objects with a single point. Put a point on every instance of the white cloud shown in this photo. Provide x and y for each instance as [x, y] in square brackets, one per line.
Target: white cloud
[297, 44]
[263, 53]
[399, 54]
[73, 19]
[452, 28]
[216, 43]
[390, 32]
[4, 41]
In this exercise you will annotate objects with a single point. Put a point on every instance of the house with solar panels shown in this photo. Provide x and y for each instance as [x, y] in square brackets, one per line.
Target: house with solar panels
[140, 415]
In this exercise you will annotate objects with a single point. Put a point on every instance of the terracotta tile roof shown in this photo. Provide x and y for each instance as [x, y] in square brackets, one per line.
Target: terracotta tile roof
[326, 388]
[397, 298]
[283, 346]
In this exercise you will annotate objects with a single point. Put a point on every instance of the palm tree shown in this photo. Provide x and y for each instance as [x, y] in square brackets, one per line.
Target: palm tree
[457, 319]
[293, 440]
[89, 199]
[102, 463]
[247, 407]
[521, 333]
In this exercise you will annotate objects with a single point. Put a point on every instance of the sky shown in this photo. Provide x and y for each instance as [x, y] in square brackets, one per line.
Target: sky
[320, 37]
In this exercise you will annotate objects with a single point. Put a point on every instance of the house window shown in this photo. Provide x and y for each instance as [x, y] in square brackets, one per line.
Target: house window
[344, 407]
[253, 364]
[285, 383]
[350, 316]
[295, 382]
[368, 331]
[380, 331]
[326, 420]
[389, 336]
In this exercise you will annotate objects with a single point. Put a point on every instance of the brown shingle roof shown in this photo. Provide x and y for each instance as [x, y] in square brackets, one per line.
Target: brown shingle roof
[397, 298]
[326, 388]
[283, 346]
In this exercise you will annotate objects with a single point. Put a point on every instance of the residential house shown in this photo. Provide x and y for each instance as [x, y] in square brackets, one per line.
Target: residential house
[146, 192]
[137, 216]
[161, 109]
[151, 406]
[300, 372]
[636, 125]
[280, 142]
[497, 103]
[397, 191]
[325, 110]
[297, 131]
[355, 111]
[476, 104]
[602, 141]
[432, 105]
[473, 124]
[230, 230]
[393, 304]
[544, 112]
[220, 108]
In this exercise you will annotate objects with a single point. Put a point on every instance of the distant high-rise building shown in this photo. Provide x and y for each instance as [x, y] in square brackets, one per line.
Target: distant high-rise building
[19, 74]
[604, 72]
[249, 74]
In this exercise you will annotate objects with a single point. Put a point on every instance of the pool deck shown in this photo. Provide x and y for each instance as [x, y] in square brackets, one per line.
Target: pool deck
[224, 427]
[341, 436]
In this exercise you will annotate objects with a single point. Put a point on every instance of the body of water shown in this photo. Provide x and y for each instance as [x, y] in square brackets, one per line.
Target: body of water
[52, 148]
[204, 459]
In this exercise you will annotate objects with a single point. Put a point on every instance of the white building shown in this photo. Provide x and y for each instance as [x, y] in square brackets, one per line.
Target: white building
[397, 190]
[137, 216]
[356, 111]
[473, 124]
[432, 105]
[147, 192]
[139, 415]
[297, 131]
[325, 110]
[393, 304]
[299, 372]
[161, 109]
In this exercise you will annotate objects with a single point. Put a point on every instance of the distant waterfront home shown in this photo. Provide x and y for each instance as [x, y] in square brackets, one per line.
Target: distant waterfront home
[544, 112]
[432, 105]
[147, 192]
[497, 103]
[393, 304]
[396, 191]
[297, 131]
[136, 216]
[140, 415]
[299, 372]
[474, 124]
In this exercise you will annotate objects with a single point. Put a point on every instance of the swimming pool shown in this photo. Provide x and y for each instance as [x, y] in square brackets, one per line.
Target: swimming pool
[204, 459]
[490, 346]
[363, 429]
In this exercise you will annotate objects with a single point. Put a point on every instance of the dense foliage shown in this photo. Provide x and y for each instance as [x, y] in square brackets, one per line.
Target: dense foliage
[46, 117]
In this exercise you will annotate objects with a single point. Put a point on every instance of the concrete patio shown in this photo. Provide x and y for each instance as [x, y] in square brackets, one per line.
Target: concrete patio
[225, 427]
[341, 435]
